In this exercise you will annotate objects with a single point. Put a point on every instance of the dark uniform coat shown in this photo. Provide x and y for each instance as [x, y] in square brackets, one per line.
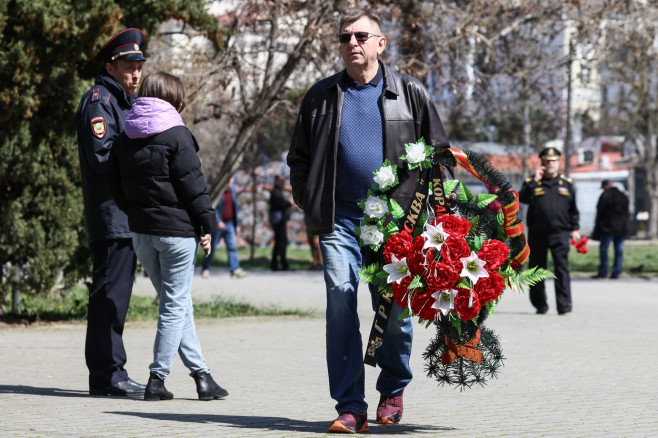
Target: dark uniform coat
[551, 204]
[99, 120]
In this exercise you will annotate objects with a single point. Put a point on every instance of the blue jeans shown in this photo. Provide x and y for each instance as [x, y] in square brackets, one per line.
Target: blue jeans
[342, 261]
[606, 239]
[169, 263]
[229, 236]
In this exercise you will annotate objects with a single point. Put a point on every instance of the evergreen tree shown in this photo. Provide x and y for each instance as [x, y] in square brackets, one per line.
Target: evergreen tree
[46, 48]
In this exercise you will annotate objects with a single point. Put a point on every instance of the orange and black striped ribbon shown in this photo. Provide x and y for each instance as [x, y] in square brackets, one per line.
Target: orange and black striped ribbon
[513, 226]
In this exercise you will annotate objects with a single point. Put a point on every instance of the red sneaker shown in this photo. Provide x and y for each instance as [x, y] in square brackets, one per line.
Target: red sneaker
[389, 410]
[349, 422]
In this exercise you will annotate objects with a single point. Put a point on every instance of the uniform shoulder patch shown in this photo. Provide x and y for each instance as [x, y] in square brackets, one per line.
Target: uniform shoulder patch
[528, 179]
[98, 126]
[95, 94]
[566, 178]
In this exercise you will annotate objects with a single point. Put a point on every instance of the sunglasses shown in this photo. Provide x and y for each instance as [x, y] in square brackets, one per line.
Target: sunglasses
[361, 37]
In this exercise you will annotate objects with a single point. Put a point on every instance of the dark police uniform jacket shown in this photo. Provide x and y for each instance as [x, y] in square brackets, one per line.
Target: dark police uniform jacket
[551, 204]
[100, 118]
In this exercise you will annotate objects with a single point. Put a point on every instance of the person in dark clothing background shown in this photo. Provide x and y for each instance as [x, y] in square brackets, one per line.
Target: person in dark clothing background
[279, 214]
[99, 120]
[611, 225]
[553, 220]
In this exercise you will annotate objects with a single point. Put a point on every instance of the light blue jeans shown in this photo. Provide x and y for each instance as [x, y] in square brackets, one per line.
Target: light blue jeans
[169, 263]
[342, 261]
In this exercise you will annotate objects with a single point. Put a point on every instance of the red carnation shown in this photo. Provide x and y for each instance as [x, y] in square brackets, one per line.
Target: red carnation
[400, 245]
[421, 305]
[453, 250]
[455, 226]
[490, 288]
[440, 276]
[418, 260]
[401, 289]
[494, 252]
[462, 309]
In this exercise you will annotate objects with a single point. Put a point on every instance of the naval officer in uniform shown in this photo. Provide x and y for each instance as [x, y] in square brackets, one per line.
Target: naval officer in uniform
[552, 222]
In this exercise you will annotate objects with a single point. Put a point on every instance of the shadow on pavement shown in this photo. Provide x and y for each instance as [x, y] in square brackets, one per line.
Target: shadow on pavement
[276, 423]
[56, 392]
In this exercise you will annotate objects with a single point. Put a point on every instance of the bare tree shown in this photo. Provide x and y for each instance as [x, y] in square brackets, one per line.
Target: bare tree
[627, 51]
[268, 48]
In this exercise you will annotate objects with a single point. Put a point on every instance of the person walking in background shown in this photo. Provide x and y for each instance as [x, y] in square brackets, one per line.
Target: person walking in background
[348, 124]
[99, 120]
[155, 177]
[279, 214]
[553, 220]
[611, 225]
[228, 228]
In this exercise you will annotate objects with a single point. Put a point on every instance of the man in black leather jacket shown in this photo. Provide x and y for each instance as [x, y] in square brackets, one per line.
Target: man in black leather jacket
[100, 118]
[348, 125]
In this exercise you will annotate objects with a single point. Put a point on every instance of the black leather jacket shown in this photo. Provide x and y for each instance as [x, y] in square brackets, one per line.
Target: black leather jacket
[408, 114]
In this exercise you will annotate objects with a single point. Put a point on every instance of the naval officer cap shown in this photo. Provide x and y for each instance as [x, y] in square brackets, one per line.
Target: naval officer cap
[550, 154]
[126, 46]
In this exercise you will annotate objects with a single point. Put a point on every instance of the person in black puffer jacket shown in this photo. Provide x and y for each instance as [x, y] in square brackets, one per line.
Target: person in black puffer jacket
[155, 177]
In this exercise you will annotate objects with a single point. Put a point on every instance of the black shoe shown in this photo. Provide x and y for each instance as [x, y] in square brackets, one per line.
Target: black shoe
[207, 388]
[563, 310]
[123, 388]
[599, 276]
[542, 311]
[614, 277]
[155, 389]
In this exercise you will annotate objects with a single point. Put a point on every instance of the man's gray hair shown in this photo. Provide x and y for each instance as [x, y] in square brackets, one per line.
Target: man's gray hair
[352, 15]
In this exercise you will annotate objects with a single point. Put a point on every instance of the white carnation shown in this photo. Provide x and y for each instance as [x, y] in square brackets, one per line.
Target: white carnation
[371, 235]
[375, 207]
[385, 177]
[415, 153]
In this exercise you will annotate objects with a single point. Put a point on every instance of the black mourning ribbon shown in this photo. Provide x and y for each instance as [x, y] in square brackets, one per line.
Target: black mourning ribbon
[437, 202]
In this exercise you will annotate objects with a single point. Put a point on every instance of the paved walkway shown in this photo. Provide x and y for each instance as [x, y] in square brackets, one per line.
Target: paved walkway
[590, 373]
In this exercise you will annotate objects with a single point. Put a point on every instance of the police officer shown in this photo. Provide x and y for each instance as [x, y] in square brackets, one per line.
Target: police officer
[552, 221]
[100, 118]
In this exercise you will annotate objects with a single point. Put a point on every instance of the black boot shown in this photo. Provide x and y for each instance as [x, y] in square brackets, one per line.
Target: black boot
[207, 388]
[155, 389]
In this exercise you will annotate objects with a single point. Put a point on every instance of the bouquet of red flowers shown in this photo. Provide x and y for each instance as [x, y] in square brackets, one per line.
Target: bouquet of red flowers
[451, 267]
[581, 245]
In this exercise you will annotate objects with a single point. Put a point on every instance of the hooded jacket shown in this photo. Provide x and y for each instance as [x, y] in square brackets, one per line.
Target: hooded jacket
[155, 174]
[408, 114]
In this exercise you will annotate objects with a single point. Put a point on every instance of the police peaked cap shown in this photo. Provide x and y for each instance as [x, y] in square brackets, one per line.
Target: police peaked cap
[126, 46]
[550, 154]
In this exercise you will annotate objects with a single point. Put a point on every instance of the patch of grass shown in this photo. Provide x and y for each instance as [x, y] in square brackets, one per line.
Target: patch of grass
[299, 259]
[640, 258]
[73, 307]
[146, 308]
